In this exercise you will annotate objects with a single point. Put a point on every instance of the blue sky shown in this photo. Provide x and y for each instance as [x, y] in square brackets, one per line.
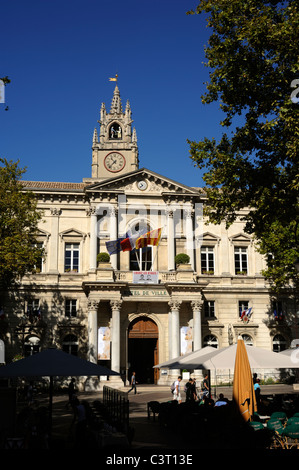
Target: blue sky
[59, 56]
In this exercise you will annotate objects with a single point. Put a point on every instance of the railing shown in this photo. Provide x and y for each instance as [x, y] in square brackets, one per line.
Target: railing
[117, 406]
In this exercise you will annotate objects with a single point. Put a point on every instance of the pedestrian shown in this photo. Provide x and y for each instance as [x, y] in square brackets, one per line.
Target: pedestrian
[71, 392]
[257, 390]
[81, 422]
[205, 386]
[30, 391]
[177, 390]
[133, 383]
[190, 391]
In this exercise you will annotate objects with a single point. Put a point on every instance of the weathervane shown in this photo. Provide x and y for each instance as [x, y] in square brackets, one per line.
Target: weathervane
[114, 79]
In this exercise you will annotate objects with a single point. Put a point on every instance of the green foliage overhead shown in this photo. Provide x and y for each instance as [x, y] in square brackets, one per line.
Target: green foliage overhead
[253, 55]
[19, 218]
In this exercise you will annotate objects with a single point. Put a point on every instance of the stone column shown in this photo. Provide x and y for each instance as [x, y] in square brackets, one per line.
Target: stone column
[170, 239]
[189, 235]
[115, 338]
[93, 239]
[174, 335]
[175, 328]
[93, 331]
[113, 233]
[197, 338]
[53, 255]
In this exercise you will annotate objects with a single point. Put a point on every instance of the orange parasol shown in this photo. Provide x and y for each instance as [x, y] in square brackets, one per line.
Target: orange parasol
[243, 390]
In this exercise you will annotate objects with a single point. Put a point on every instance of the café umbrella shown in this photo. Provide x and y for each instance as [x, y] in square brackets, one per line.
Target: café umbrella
[52, 363]
[243, 389]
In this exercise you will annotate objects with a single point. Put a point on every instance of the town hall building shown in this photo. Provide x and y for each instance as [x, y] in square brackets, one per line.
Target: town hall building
[144, 305]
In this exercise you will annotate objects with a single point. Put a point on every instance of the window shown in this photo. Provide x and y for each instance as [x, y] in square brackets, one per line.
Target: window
[243, 305]
[33, 310]
[279, 343]
[277, 309]
[31, 346]
[39, 263]
[141, 260]
[241, 260]
[207, 260]
[71, 308]
[210, 340]
[71, 260]
[247, 340]
[70, 345]
[209, 308]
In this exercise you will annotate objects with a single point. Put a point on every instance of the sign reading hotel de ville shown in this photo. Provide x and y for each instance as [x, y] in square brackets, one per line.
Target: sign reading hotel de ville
[145, 277]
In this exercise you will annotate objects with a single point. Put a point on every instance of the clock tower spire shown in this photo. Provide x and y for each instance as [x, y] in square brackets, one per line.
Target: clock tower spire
[114, 149]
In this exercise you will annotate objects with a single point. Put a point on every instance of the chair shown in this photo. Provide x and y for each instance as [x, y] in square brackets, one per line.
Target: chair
[278, 439]
[256, 425]
[154, 407]
[294, 420]
[279, 415]
[14, 443]
[275, 425]
[291, 434]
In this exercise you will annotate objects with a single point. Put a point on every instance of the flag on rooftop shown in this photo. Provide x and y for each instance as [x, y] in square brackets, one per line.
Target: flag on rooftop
[149, 238]
[113, 79]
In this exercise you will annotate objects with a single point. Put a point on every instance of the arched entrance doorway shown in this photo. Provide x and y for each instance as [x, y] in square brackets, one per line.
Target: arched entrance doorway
[143, 344]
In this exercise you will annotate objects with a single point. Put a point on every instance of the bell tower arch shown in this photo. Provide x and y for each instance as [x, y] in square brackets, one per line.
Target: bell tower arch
[114, 149]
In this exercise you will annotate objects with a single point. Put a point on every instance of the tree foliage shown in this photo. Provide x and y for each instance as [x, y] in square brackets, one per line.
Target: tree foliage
[253, 55]
[19, 218]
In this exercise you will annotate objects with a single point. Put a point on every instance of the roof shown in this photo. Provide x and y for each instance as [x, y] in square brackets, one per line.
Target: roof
[53, 185]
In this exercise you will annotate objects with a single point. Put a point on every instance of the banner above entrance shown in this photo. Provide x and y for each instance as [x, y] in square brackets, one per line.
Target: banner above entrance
[145, 277]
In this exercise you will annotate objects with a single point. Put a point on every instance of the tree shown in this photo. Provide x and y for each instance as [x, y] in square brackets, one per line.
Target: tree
[253, 55]
[19, 218]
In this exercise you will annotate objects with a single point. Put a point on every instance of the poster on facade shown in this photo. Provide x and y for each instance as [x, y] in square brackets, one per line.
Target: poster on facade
[186, 340]
[145, 277]
[104, 343]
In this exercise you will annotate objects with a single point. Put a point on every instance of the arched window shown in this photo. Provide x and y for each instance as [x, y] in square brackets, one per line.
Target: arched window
[70, 344]
[31, 346]
[279, 343]
[247, 340]
[141, 259]
[115, 131]
[210, 340]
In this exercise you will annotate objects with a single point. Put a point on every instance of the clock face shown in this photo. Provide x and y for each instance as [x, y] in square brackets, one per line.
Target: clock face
[142, 185]
[114, 161]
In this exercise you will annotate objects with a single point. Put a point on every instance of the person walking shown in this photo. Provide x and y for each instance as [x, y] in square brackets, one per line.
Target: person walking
[177, 390]
[133, 383]
[71, 392]
[206, 386]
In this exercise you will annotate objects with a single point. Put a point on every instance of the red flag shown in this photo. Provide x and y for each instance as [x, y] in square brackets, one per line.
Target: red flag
[150, 238]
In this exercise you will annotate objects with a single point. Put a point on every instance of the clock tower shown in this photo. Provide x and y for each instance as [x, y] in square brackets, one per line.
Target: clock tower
[114, 150]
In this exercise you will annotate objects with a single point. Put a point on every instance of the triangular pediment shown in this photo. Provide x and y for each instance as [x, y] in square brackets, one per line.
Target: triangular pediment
[240, 238]
[210, 237]
[72, 234]
[154, 183]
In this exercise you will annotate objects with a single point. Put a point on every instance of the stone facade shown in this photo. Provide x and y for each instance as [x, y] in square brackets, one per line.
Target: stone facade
[71, 299]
